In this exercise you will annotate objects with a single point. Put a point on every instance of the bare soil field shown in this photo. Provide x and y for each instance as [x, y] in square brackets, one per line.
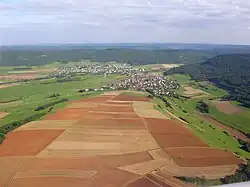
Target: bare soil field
[160, 177]
[24, 143]
[144, 168]
[227, 107]
[147, 110]
[8, 85]
[143, 182]
[87, 105]
[47, 125]
[178, 140]
[169, 133]
[67, 114]
[51, 174]
[192, 92]
[3, 114]
[119, 124]
[102, 142]
[24, 76]
[127, 97]
[106, 115]
[212, 172]
[112, 93]
[99, 142]
[162, 126]
[230, 130]
[9, 166]
[98, 99]
[118, 179]
[114, 109]
[201, 157]
[162, 181]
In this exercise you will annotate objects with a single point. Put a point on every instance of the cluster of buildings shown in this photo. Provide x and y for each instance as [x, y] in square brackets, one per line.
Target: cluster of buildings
[83, 68]
[155, 84]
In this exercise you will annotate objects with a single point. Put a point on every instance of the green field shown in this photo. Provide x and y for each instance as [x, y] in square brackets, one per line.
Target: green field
[214, 136]
[22, 100]
[240, 121]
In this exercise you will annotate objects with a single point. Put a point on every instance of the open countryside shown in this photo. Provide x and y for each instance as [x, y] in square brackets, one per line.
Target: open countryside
[78, 123]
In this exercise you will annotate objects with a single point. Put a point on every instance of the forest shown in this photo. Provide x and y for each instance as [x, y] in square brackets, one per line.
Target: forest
[33, 57]
[230, 72]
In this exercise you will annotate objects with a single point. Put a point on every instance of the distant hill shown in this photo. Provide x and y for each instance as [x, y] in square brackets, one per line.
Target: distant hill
[231, 72]
[15, 56]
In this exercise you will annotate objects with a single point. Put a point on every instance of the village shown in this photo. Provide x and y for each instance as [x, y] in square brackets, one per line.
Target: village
[107, 68]
[155, 84]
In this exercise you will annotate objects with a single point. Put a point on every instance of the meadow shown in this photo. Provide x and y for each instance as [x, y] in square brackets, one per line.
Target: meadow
[185, 109]
[21, 101]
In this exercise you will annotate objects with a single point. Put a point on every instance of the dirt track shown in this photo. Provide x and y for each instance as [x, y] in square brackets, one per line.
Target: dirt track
[102, 141]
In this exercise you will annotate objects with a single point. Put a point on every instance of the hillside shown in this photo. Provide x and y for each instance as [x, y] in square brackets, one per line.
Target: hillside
[230, 72]
[40, 56]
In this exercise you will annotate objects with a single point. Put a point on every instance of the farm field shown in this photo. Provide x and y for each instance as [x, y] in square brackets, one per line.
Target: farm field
[83, 145]
[216, 128]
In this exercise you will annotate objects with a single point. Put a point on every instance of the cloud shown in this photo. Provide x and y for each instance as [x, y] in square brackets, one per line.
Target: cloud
[213, 21]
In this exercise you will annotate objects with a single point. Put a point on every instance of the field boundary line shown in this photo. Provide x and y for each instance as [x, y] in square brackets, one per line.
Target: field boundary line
[146, 126]
[14, 172]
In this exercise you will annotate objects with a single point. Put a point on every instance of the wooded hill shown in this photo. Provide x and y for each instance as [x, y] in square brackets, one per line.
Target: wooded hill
[24, 56]
[230, 72]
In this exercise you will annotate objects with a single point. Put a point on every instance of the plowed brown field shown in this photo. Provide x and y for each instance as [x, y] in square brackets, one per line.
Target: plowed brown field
[9, 166]
[24, 143]
[98, 99]
[169, 133]
[106, 115]
[201, 157]
[127, 97]
[178, 140]
[114, 109]
[163, 126]
[143, 182]
[110, 177]
[227, 107]
[118, 124]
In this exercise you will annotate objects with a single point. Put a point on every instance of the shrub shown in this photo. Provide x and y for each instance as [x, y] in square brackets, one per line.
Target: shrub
[42, 107]
[2, 137]
[202, 107]
[54, 95]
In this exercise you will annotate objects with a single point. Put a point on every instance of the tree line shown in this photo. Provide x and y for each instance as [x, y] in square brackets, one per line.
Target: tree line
[230, 72]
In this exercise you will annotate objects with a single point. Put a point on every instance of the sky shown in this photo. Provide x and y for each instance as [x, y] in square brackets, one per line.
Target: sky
[124, 21]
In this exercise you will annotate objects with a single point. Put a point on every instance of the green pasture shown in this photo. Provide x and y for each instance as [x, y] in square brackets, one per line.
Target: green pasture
[209, 133]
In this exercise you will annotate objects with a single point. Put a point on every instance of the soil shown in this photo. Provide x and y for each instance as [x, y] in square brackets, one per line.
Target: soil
[24, 76]
[110, 177]
[201, 157]
[162, 126]
[114, 109]
[178, 140]
[3, 114]
[9, 166]
[118, 124]
[98, 99]
[8, 85]
[24, 143]
[227, 107]
[147, 110]
[143, 182]
[127, 97]
[47, 124]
